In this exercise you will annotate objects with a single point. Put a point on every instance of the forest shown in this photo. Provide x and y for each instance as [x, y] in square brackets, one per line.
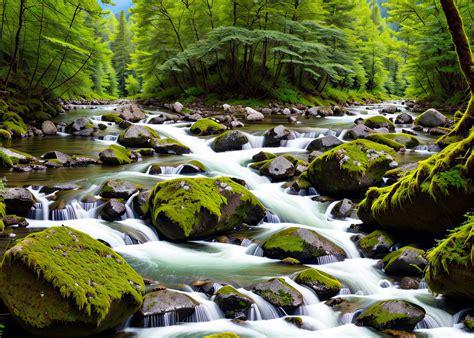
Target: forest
[236, 168]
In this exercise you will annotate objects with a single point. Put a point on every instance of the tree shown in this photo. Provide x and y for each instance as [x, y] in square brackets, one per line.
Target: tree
[122, 49]
[463, 50]
[132, 86]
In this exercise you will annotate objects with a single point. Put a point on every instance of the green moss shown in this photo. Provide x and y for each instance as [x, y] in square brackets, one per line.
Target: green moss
[206, 126]
[314, 276]
[282, 298]
[380, 318]
[122, 154]
[379, 121]
[5, 134]
[373, 239]
[39, 116]
[13, 123]
[395, 141]
[303, 181]
[450, 171]
[451, 263]
[185, 206]
[112, 118]
[5, 160]
[152, 134]
[78, 268]
[394, 256]
[222, 335]
[285, 240]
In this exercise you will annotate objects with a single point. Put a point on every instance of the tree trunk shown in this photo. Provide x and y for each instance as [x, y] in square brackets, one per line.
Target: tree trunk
[13, 63]
[463, 50]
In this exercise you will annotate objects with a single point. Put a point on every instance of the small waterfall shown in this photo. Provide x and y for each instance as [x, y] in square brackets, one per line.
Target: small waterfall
[349, 317]
[263, 310]
[271, 217]
[344, 291]
[328, 259]
[110, 138]
[128, 206]
[41, 210]
[422, 285]
[299, 143]
[385, 284]
[254, 250]
[167, 319]
[458, 317]
[255, 142]
[65, 214]
[427, 323]
[130, 239]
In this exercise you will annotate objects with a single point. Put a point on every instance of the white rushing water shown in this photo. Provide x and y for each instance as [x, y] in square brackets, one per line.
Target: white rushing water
[182, 263]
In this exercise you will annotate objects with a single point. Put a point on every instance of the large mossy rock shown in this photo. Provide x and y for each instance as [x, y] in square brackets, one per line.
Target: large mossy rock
[376, 244]
[325, 285]
[351, 168]
[379, 121]
[392, 315]
[62, 282]
[169, 146]
[232, 302]
[116, 155]
[207, 126]
[428, 200]
[159, 303]
[199, 207]
[119, 189]
[137, 136]
[278, 292]
[450, 268]
[302, 244]
[432, 118]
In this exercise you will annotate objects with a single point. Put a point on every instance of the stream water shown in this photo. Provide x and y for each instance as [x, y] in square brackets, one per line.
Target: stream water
[177, 266]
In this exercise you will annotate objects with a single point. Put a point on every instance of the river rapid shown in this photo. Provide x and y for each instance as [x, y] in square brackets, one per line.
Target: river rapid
[177, 265]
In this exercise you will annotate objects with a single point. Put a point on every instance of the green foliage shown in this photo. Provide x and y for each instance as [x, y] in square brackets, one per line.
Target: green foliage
[132, 86]
[13, 123]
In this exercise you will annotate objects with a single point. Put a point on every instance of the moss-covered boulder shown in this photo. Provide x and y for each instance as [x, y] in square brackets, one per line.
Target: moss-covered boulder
[376, 244]
[379, 121]
[302, 244]
[9, 157]
[450, 268]
[325, 285]
[190, 167]
[392, 314]
[169, 146]
[61, 282]
[229, 141]
[407, 261]
[427, 201]
[395, 141]
[137, 136]
[351, 168]
[13, 124]
[112, 118]
[232, 302]
[159, 303]
[278, 292]
[116, 155]
[5, 134]
[262, 156]
[207, 126]
[119, 189]
[199, 207]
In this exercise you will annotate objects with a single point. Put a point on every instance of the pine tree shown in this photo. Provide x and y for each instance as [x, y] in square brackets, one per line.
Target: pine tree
[122, 49]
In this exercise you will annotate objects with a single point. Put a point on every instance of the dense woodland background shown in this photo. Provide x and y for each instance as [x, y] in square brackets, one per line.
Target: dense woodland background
[294, 51]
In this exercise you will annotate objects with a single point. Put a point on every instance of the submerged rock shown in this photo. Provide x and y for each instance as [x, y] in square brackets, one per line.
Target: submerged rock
[450, 268]
[351, 168]
[392, 314]
[279, 168]
[276, 136]
[119, 189]
[18, 201]
[229, 141]
[325, 285]
[157, 304]
[407, 261]
[343, 209]
[233, 303]
[279, 293]
[169, 146]
[62, 282]
[302, 244]
[403, 118]
[190, 208]
[324, 144]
